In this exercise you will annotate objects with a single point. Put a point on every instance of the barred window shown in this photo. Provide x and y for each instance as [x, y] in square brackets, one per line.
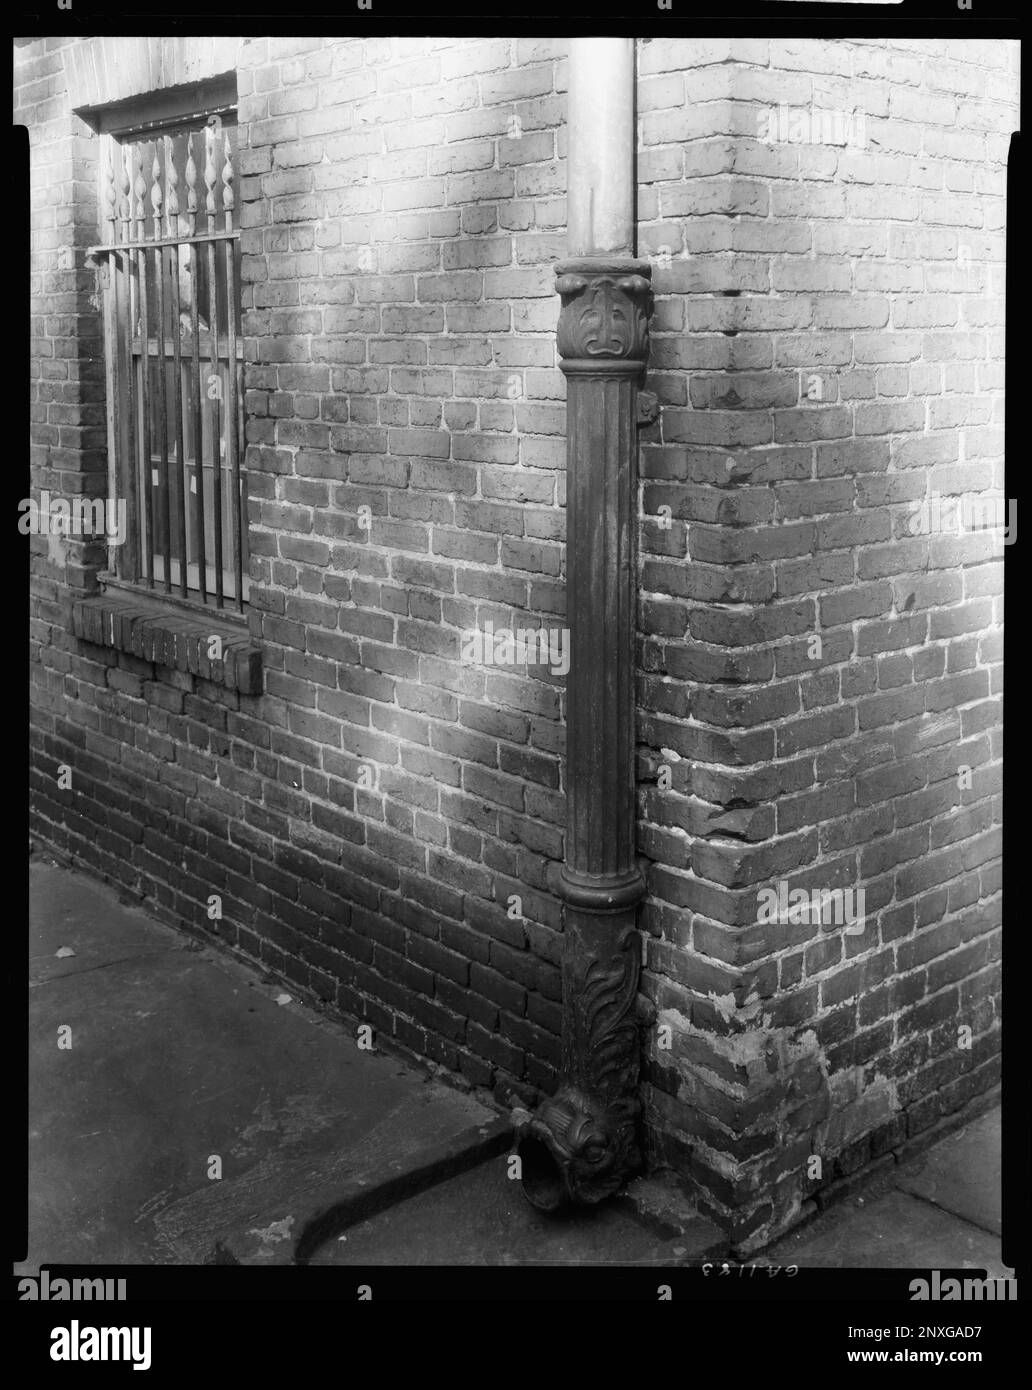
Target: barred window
[174, 356]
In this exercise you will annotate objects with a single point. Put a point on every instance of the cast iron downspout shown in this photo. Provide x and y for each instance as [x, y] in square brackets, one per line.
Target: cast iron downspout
[581, 1145]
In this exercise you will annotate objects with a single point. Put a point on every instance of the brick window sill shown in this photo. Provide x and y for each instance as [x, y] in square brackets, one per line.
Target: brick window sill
[145, 628]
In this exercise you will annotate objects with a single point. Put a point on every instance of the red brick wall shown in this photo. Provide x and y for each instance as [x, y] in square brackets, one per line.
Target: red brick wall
[369, 819]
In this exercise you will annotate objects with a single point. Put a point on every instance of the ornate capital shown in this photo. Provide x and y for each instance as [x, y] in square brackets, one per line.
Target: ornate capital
[606, 306]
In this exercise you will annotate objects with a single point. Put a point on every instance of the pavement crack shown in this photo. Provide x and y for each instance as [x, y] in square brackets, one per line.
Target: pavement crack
[948, 1211]
[103, 965]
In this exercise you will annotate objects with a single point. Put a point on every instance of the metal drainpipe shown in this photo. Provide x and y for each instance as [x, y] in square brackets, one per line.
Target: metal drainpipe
[582, 1144]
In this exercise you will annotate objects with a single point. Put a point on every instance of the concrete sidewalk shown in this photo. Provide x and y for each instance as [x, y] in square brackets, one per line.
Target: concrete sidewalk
[938, 1210]
[328, 1153]
[941, 1210]
[181, 1056]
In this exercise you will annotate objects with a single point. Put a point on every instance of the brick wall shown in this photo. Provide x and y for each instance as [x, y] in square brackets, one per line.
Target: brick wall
[371, 818]
[368, 821]
[829, 352]
[68, 439]
[401, 206]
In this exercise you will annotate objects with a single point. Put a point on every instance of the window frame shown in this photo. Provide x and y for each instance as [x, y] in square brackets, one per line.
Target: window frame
[140, 119]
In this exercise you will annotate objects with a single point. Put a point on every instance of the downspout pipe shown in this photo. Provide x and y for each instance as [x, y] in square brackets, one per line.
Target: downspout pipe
[581, 1145]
